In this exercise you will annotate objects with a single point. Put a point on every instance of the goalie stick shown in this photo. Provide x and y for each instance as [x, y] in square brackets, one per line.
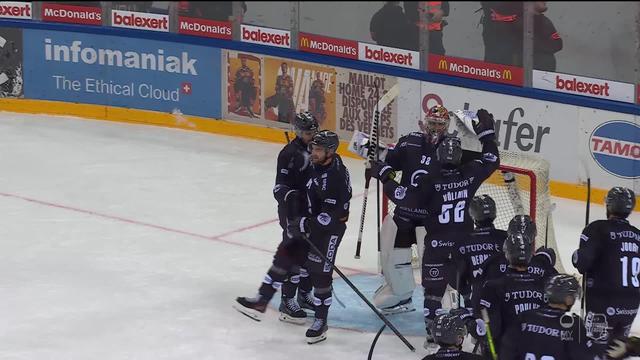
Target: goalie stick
[384, 101]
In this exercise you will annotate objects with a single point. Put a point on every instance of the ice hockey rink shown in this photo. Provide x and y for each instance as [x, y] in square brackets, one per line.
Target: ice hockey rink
[131, 242]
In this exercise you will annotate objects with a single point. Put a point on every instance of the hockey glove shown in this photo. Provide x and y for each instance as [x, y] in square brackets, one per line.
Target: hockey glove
[382, 171]
[485, 125]
[476, 327]
[548, 253]
[297, 227]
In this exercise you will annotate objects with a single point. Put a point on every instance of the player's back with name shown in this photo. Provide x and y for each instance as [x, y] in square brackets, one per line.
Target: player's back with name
[476, 248]
[610, 252]
[546, 333]
[329, 192]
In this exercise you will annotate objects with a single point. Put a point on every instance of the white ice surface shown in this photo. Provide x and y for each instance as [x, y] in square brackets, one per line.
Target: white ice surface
[131, 242]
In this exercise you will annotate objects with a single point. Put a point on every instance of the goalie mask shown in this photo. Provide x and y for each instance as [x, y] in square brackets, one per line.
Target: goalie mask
[437, 120]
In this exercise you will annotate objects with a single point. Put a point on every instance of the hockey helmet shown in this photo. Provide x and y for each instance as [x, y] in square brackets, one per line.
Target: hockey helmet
[326, 139]
[523, 224]
[559, 286]
[518, 249]
[449, 152]
[437, 119]
[305, 121]
[620, 201]
[448, 329]
[482, 209]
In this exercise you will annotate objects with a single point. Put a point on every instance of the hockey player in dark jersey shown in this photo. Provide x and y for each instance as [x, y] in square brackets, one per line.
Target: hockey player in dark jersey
[449, 331]
[609, 258]
[516, 292]
[541, 265]
[328, 196]
[550, 332]
[441, 202]
[479, 245]
[287, 269]
[413, 155]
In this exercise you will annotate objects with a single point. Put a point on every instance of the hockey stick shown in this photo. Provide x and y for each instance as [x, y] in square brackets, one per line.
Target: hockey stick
[583, 301]
[375, 340]
[360, 295]
[384, 101]
[286, 135]
[546, 229]
[492, 347]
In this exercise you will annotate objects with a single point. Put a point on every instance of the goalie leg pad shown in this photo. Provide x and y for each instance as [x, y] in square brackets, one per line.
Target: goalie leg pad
[399, 280]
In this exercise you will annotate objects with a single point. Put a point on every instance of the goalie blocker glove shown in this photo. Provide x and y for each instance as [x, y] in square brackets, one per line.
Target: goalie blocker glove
[485, 125]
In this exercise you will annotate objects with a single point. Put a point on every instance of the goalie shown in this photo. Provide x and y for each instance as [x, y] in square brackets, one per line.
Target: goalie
[413, 155]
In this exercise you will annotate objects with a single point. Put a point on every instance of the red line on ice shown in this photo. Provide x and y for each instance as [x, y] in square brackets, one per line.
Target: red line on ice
[218, 238]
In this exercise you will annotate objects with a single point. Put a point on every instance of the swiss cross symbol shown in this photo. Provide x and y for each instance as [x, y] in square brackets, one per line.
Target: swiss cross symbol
[186, 88]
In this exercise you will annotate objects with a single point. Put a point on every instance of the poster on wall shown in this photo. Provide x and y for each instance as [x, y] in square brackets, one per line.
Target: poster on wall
[244, 85]
[292, 86]
[356, 104]
[11, 70]
[125, 72]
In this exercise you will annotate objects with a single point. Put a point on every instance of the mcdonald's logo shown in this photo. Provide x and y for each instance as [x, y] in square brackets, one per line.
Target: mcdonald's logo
[442, 64]
[304, 41]
[506, 74]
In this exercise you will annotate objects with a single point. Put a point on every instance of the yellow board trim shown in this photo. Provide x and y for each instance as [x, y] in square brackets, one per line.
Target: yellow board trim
[222, 127]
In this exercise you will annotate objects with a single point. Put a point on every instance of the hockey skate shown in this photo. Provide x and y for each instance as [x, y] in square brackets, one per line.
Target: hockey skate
[291, 312]
[317, 332]
[401, 307]
[305, 300]
[253, 308]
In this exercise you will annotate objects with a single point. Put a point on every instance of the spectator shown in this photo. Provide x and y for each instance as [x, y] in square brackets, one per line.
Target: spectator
[502, 32]
[389, 26]
[210, 10]
[546, 40]
[437, 10]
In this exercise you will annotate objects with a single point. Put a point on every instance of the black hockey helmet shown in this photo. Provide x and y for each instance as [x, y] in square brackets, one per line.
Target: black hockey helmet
[482, 209]
[620, 201]
[449, 151]
[523, 224]
[518, 249]
[326, 139]
[559, 286]
[448, 329]
[305, 121]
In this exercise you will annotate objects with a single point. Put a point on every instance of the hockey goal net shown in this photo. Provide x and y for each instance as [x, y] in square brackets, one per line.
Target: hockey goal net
[519, 187]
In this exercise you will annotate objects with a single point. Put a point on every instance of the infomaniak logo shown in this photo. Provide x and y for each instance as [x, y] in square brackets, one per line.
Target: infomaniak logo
[615, 146]
[125, 72]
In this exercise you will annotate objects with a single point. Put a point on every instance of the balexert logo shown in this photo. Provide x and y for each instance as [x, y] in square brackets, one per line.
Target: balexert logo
[138, 20]
[388, 56]
[582, 87]
[19, 10]
[129, 59]
[266, 36]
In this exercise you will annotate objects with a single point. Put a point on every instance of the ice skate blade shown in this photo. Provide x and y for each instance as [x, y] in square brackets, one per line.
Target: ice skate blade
[398, 310]
[250, 313]
[292, 320]
[317, 339]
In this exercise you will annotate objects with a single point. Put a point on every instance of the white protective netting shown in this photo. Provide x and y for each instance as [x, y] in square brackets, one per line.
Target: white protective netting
[520, 186]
